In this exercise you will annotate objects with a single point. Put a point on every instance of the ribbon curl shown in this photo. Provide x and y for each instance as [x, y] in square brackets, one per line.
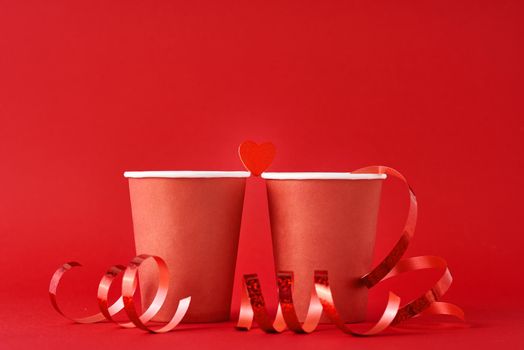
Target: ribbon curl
[126, 300]
[253, 307]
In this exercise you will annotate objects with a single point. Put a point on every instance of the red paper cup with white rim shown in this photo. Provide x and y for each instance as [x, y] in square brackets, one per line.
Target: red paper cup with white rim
[325, 221]
[192, 220]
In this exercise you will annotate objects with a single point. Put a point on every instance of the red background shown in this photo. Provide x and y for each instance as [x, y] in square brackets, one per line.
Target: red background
[89, 89]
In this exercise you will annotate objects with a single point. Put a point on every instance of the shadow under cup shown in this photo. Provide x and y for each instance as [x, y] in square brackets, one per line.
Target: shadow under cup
[325, 221]
[191, 220]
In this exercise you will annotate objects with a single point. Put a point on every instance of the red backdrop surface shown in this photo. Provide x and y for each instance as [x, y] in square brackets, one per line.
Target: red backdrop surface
[89, 89]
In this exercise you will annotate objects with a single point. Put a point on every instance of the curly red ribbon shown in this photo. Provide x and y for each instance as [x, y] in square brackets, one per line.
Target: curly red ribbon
[126, 301]
[253, 306]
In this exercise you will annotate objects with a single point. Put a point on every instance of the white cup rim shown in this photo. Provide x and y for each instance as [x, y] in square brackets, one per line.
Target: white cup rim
[186, 174]
[322, 176]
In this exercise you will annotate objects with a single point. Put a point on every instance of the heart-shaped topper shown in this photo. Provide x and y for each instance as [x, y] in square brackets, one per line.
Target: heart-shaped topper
[256, 158]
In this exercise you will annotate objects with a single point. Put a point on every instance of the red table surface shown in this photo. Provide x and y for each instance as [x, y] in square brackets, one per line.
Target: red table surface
[38, 327]
[89, 89]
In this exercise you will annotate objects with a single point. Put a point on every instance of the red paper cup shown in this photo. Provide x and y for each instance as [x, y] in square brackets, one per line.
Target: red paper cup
[325, 221]
[192, 220]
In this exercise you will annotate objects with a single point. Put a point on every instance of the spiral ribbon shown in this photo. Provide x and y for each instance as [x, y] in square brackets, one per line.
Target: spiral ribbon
[253, 307]
[126, 301]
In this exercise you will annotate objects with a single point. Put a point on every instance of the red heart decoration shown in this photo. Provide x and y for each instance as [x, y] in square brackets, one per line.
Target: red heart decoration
[256, 158]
